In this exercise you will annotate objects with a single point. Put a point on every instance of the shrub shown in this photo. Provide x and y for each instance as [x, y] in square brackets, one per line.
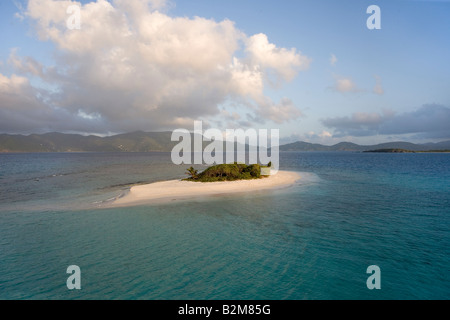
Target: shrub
[227, 172]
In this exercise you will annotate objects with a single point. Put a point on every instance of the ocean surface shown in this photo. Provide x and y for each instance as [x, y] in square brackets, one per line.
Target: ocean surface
[314, 240]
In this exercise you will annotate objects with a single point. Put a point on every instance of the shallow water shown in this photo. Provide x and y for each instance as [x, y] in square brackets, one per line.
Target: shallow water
[312, 241]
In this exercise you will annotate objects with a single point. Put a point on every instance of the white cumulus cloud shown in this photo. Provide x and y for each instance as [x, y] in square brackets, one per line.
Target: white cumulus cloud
[135, 67]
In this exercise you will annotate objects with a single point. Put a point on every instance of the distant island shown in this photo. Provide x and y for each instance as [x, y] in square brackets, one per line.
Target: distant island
[352, 147]
[405, 151]
[229, 172]
[390, 151]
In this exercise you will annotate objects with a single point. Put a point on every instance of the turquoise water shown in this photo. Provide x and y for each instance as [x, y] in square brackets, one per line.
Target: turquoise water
[314, 240]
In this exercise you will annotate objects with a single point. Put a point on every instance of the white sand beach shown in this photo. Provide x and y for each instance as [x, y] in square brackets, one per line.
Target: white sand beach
[177, 189]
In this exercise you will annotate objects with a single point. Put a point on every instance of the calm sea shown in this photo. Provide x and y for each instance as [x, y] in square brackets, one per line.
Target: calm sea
[314, 240]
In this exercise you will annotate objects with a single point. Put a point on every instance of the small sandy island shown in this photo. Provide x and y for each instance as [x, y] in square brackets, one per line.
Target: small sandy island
[177, 189]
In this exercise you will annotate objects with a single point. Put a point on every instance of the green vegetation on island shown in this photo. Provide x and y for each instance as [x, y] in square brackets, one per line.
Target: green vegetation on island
[227, 172]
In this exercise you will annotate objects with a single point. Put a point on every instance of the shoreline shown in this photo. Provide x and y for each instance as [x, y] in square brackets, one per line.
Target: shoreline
[180, 190]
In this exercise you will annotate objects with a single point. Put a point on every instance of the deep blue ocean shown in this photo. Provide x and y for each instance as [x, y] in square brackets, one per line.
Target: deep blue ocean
[314, 240]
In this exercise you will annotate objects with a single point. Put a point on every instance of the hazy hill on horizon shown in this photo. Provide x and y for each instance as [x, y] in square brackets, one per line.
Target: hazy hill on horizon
[60, 142]
[140, 141]
[349, 146]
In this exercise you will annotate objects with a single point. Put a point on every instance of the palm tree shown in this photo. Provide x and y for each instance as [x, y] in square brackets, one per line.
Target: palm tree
[192, 172]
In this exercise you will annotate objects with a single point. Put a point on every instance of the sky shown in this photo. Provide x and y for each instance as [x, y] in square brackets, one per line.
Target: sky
[312, 69]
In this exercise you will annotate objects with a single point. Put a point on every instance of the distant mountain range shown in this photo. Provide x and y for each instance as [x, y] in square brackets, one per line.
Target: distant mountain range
[161, 142]
[60, 142]
[348, 146]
